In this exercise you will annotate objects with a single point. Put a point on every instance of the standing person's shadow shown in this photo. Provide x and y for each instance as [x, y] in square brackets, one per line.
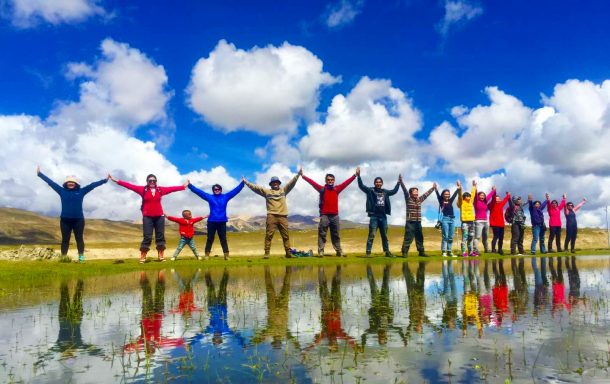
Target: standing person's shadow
[381, 313]
[330, 318]
[70, 316]
[277, 312]
[153, 311]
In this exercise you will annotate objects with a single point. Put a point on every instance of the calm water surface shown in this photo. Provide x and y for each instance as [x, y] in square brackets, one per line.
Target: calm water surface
[519, 320]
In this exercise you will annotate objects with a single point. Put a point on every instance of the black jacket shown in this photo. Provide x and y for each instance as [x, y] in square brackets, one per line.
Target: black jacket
[370, 197]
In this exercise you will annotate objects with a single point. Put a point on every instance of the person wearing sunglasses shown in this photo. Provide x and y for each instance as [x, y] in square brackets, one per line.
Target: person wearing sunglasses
[217, 221]
[153, 218]
[571, 224]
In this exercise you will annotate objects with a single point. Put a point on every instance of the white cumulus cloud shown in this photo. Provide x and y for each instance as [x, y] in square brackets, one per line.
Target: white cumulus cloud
[264, 90]
[374, 121]
[124, 88]
[29, 13]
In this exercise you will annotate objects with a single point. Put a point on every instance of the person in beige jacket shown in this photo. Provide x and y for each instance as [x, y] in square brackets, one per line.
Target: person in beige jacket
[277, 209]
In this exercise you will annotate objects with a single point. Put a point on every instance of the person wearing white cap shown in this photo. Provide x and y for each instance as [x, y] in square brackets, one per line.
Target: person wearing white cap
[277, 209]
[72, 218]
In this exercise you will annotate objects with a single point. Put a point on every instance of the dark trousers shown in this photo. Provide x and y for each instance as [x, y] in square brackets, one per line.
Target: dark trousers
[555, 233]
[150, 224]
[326, 222]
[413, 230]
[517, 231]
[497, 238]
[67, 226]
[380, 222]
[221, 229]
[571, 233]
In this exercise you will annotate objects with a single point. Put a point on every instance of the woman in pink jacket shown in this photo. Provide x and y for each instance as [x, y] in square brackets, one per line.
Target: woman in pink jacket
[153, 218]
[481, 225]
[555, 210]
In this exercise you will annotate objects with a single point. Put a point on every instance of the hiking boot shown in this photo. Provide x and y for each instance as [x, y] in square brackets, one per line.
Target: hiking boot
[320, 253]
[368, 254]
[501, 252]
[388, 254]
[160, 255]
[143, 257]
[81, 258]
[288, 255]
[266, 255]
[423, 254]
[207, 256]
[226, 254]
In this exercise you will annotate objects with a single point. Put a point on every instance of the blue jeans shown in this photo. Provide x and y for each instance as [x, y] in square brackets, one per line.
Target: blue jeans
[538, 231]
[467, 235]
[186, 241]
[448, 231]
[380, 222]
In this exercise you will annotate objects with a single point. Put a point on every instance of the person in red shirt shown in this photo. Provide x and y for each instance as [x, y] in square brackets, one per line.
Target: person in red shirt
[153, 219]
[329, 210]
[187, 231]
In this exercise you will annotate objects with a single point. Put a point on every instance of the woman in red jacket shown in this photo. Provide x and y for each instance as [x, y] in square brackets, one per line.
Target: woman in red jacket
[153, 219]
[496, 221]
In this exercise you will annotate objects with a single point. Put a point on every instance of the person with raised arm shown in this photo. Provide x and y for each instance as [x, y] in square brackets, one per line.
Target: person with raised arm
[571, 224]
[329, 210]
[516, 217]
[536, 209]
[217, 221]
[277, 209]
[153, 218]
[467, 216]
[187, 232]
[413, 228]
[447, 219]
[378, 208]
[554, 208]
[71, 218]
[496, 221]
[481, 224]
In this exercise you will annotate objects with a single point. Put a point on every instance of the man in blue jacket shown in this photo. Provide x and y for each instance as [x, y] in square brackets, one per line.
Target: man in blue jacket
[217, 221]
[72, 218]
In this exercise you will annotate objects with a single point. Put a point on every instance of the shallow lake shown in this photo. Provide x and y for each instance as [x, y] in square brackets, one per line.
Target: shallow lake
[459, 321]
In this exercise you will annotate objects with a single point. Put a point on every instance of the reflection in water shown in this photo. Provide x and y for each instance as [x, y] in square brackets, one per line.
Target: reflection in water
[330, 317]
[153, 311]
[70, 316]
[381, 313]
[462, 320]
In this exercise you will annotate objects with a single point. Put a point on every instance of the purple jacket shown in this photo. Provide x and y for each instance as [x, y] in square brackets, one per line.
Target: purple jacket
[480, 207]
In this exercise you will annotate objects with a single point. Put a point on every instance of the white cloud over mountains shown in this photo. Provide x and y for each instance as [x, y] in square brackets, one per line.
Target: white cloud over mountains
[265, 90]
[29, 13]
[558, 146]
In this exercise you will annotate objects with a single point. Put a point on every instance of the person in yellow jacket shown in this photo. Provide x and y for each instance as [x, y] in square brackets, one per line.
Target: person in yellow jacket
[277, 209]
[466, 206]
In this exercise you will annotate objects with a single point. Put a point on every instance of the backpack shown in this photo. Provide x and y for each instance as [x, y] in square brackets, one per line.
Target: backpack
[509, 214]
[144, 193]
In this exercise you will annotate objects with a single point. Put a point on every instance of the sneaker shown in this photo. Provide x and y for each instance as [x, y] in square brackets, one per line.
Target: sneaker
[519, 254]
[266, 256]
[444, 254]
[320, 253]
[465, 254]
[389, 254]
[81, 258]
[288, 255]
[501, 252]
[174, 259]
[368, 254]
[423, 254]
[450, 254]
[473, 253]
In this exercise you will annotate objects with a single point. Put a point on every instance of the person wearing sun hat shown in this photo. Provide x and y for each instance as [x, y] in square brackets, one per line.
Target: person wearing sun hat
[72, 218]
[277, 209]
[153, 218]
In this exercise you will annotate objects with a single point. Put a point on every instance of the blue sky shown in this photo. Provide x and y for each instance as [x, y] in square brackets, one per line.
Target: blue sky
[524, 48]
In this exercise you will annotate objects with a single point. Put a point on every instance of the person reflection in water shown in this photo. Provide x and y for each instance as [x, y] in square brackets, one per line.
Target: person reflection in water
[186, 300]
[499, 292]
[277, 312]
[574, 282]
[330, 318]
[381, 313]
[519, 296]
[470, 309]
[218, 326]
[69, 338]
[558, 287]
[153, 308]
[485, 295]
[450, 308]
[541, 292]
[417, 299]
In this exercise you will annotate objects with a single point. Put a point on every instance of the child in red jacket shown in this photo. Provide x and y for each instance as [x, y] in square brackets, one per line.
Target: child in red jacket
[187, 231]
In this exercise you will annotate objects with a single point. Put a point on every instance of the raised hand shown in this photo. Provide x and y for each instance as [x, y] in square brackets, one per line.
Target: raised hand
[584, 199]
[300, 171]
[357, 171]
[243, 179]
[434, 185]
[548, 197]
[38, 169]
[186, 183]
[529, 197]
[474, 183]
[400, 178]
[459, 184]
[564, 195]
[112, 178]
[493, 188]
